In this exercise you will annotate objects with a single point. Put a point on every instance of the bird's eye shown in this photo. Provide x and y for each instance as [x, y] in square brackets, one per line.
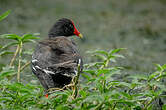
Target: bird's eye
[70, 25]
[66, 29]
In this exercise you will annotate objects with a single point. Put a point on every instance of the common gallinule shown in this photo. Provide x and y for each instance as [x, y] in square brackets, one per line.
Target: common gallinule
[55, 59]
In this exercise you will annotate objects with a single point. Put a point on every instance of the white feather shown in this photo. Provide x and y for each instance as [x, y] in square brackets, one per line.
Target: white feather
[75, 72]
[33, 61]
[79, 61]
[48, 72]
[38, 67]
[67, 75]
[33, 68]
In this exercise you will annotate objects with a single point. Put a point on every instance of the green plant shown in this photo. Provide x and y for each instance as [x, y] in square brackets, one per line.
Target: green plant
[4, 15]
[99, 90]
[19, 41]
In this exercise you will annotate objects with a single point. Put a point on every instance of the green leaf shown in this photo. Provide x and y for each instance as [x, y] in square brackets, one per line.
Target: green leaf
[101, 57]
[117, 55]
[83, 93]
[1, 46]
[94, 97]
[16, 86]
[154, 75]
[124, 84]
[161, 76]
[116, 50]
[159, 67]
[86, 76]
[29, 40]
[7, 71]
[96, 64]
[150, 107]
[8, 45]
[164, 66]
[12, 36]
[164, 107]
[26, 96]
[62, 107]
[92, 72]
[102, 52]
[126, 95]
[102, 71]
[5, 53]
[28, 37]
[4, 15]
[25, 90]
[5, 99]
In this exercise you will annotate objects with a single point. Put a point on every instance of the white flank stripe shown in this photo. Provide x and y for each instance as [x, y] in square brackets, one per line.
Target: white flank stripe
[33, 61]
[38, 67]
[33, 68]
[67, 75]
[75, 72]
[48, 72]
[79, 61]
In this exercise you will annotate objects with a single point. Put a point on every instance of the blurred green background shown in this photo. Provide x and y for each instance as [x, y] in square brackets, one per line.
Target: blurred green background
[138, 25]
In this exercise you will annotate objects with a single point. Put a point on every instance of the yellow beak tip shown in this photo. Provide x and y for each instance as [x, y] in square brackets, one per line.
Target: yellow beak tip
[80, 35]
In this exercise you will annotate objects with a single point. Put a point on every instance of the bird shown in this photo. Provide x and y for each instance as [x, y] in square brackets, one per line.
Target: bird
[55, 59]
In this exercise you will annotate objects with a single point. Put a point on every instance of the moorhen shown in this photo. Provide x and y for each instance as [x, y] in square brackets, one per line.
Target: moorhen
[56, 59]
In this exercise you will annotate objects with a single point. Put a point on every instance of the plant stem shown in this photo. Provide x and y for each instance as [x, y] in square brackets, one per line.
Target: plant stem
[78, 75]
[19, 62]
[146, 106]
[75, 88]
[107, 62]
[114, 106]
[25, 65]
[105, 65]
[98, 107]
[14, 56]
[104, 85]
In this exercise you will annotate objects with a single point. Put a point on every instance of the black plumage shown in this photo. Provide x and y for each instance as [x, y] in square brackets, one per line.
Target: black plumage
[55, 59]
[63, 27]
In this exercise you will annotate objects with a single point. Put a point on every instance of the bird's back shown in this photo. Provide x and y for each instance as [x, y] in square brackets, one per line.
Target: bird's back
[55, 61]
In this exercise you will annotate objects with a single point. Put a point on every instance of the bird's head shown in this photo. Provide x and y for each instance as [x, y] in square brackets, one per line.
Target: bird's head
[64, 27]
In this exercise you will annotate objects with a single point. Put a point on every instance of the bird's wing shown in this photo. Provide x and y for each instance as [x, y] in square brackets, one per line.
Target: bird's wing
[65, 52]
[69, 57]
[39, 66]
[55, 57]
